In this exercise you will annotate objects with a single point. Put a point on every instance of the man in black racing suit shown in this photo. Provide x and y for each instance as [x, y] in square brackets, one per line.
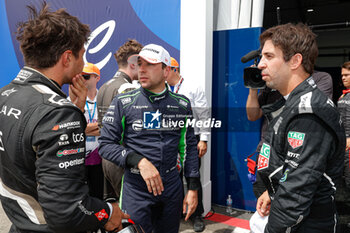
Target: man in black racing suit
[42, 140]
[301, 157]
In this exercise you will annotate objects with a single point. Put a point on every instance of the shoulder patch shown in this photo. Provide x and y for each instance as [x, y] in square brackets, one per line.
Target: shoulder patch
[55, 98]
[264, 156]
[305, 103]
[295, 139]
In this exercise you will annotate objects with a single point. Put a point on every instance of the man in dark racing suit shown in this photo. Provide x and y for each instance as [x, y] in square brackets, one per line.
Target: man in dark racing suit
[143, 131]
[301, 157]
[42, 141]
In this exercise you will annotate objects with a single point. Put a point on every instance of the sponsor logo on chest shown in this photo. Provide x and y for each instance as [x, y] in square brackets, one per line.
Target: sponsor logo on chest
[295, 139]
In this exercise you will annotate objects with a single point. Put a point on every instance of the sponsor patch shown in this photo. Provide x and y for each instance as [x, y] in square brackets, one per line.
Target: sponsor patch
[295, 139]
[79, 137]
[183, 103]
[264, 156]
[108, 119]
[23, 75]
[293, 155]
[101, 215]
[126, 100]
[67, 125]
[305, 103]
[285, 175]
[137, 125]
[61, 153]
[152, 120]
[7, 111]
[71, 163]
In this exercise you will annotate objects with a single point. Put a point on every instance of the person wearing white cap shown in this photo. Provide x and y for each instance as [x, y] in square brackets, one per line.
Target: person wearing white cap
[143, 131]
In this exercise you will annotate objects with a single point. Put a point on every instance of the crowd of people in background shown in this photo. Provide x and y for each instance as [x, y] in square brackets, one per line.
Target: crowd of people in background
[84, 163]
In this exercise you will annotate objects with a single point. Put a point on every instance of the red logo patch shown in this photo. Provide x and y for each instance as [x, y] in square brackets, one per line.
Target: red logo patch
[101, 215]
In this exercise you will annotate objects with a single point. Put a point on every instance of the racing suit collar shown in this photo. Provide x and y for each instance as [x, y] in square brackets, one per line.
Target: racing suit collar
[30, 75]
[123, 75]
[153, 97]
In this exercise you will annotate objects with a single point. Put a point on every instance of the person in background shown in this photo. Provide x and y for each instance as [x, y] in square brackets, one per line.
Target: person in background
[196, 95]
[126, 73]
[137, 134]
[301, 158]
[91, 74]
[42, 168]
[342, 196]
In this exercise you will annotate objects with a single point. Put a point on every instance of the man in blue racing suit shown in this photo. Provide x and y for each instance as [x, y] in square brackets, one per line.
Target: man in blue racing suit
[143, 131]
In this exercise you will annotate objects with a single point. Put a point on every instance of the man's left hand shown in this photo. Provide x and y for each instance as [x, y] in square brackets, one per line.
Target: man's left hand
[202, 148]
[190, 203]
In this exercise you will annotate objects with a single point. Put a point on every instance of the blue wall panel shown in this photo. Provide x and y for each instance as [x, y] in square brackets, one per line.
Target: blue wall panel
[238, 137]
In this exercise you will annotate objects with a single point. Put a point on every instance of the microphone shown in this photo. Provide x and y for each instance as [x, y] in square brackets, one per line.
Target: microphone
[251, 55]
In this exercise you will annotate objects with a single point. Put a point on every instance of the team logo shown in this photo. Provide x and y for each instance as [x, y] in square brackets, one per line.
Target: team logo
[284, 177]
[152, 120]
[264, 156]
[68, 125]
[61, 153]
[295, 139]
[79, 137]
[8, 92]
[137, 125]
[101, 215]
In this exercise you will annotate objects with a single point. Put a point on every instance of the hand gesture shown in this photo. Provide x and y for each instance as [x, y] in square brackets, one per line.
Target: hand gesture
[115, 221]
[151, 176]
[263, 204]
[190, 203]
[202, 148]
[78, 92]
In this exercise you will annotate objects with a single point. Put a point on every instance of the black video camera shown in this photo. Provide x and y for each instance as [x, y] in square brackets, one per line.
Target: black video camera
[252, 75]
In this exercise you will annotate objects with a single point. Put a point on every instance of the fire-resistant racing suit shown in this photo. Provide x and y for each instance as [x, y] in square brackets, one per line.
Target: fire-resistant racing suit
[42, 152]
[141, 124]
[301, 160]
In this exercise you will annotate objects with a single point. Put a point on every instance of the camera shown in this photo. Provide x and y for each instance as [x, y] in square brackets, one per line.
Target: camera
[252, 78]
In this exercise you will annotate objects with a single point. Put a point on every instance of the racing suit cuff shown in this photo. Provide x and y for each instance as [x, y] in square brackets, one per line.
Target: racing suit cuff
[133, 159]
[193, 183]
[204, 137]
[111, 210]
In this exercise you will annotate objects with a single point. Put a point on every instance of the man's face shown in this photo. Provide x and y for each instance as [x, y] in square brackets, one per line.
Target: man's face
[92, 81]
[172, 77]
[76, 65]
[152, 76]
[275, 71]
[345, 77]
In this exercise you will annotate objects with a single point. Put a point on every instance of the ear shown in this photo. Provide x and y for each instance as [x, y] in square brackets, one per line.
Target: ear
[132, 66]
[66, 57]
[166, 71]
[295, 61]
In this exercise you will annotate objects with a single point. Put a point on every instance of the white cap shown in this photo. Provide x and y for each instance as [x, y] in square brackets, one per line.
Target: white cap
[152, 53]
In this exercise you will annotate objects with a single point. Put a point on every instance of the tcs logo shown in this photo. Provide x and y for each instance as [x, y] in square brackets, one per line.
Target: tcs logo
[79, 137]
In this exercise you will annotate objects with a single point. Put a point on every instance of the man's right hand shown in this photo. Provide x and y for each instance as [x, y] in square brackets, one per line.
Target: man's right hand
[151, 176]
[115, 221]
[263, 204]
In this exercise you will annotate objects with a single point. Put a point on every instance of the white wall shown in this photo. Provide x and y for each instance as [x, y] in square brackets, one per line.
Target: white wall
[196, 46]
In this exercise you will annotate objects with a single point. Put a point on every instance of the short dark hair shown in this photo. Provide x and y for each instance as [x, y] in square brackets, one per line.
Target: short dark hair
[293, 39]
[129, 48]
[47, 35]
[346, 65]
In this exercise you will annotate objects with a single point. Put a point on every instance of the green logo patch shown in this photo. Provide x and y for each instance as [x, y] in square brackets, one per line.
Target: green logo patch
[264, 155]
[295, 139]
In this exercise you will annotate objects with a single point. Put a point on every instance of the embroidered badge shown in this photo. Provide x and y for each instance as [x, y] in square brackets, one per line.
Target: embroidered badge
[101, 215]
[264, 155]
[295, 139]
[284, 178]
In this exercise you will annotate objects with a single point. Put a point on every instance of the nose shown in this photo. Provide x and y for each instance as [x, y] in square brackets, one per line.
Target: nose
[262, 63]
